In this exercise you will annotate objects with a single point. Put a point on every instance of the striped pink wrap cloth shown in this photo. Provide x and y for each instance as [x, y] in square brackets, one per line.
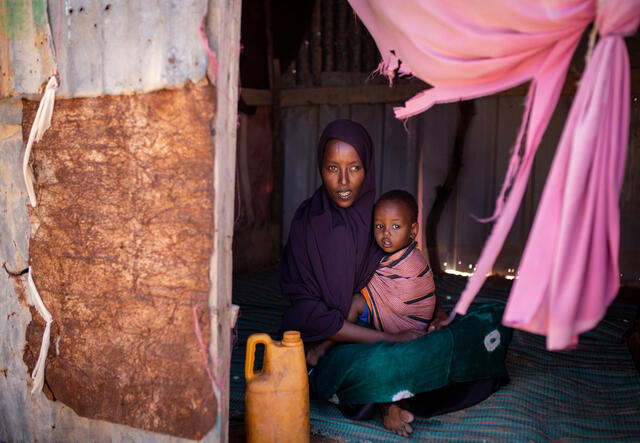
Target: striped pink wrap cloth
[400, 295]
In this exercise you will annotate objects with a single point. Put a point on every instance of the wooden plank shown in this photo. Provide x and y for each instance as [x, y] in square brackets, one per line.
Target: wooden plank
[437, 129]
[327, 35]
[399, 155]
[351, 95]
[334, 95]
[316, 42]
[372, 118]
[302, 63]
[342, 53]
[256, 97]
[223, 31]
[300, 172]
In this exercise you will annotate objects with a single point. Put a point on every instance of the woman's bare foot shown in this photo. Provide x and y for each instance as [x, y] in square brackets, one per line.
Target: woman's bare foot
[314, 354]
[396, 419]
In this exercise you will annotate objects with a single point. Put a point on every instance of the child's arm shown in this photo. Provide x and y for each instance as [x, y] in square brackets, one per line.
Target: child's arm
[358, 307]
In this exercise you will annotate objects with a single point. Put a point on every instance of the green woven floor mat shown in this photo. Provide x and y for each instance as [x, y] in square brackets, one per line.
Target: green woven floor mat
[592, 393]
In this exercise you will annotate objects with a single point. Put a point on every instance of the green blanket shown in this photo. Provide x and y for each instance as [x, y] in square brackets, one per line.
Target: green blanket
[473, 347]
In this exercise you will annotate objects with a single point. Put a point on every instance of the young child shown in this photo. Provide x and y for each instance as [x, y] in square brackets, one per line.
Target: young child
[400, 296]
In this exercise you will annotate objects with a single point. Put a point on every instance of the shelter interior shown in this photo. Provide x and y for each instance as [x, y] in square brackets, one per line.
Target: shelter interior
[130, 245]
[306, 63]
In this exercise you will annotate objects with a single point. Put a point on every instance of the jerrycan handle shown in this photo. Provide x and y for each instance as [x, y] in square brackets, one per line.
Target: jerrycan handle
[254, 339]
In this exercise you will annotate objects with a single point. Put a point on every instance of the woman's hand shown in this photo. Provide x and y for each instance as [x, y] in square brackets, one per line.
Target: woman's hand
[439, 315]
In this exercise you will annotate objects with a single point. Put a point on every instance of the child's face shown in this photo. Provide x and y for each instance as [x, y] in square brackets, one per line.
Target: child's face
[392, 226]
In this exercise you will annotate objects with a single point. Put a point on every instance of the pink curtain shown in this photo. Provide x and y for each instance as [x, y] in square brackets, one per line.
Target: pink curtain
[569, 269]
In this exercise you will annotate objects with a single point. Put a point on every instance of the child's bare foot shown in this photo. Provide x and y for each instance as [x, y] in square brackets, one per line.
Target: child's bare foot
[314, 354]
[396, 419]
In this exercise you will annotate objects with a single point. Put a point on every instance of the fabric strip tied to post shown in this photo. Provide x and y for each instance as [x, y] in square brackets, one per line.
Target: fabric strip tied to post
[38, 371]
[41, 123]
[569, 270]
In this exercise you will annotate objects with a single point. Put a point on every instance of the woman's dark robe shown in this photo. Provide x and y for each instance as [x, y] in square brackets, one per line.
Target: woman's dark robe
[331, 253]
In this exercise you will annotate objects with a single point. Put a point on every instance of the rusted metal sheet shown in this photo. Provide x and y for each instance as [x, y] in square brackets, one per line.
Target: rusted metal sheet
[23, 416]
[26, 54]
[100, 46]
[120, 247]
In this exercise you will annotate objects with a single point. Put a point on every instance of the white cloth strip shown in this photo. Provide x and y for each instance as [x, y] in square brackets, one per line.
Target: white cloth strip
[40, 124]
[38, 372]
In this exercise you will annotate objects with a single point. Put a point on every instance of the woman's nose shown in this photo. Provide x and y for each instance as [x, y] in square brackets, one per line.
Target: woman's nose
[344, 177]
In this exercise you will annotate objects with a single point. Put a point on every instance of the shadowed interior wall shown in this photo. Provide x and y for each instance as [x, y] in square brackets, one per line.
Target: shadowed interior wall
[120, 247]
[430, 136]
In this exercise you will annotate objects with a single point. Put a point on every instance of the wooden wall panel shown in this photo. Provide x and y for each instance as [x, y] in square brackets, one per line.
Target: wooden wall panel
[474, 190]
[299, 138]
[372, 118]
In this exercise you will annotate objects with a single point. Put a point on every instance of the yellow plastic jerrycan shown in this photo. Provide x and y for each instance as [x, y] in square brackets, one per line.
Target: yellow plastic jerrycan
[277, 397]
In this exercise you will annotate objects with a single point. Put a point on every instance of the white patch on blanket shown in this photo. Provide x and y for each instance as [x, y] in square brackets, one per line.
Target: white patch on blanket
[334, 399]
[492, 340]
[402, 395]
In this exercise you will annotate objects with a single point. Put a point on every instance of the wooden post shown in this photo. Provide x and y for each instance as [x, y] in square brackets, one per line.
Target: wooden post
[327, 35]
[316, 42]
[276, 146]
[342, 59]
[371, 56]
[355, 37]
[302, 63]
[223, 31]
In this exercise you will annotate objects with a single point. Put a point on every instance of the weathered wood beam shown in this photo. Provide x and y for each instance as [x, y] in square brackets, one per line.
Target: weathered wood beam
[223, 31]
[276, 146]
[349, 95]
[335, 95]
[316, 42]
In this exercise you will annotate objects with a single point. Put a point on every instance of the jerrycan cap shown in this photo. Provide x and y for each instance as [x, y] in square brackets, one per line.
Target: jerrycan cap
[291, 338]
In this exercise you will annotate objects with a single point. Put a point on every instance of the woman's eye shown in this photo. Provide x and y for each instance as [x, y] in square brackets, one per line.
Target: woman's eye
[332, 168]
[396, 226]
[355, 168]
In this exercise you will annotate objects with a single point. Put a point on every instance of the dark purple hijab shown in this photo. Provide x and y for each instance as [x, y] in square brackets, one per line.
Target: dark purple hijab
[331, 253]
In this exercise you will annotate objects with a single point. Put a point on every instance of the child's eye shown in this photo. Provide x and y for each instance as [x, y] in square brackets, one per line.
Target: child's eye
[396, 226]
[379, 226]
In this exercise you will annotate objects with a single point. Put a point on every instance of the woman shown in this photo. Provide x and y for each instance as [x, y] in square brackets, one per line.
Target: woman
[331, 253]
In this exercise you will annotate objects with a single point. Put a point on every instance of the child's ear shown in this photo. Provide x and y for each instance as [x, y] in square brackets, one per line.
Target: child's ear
[414, 230]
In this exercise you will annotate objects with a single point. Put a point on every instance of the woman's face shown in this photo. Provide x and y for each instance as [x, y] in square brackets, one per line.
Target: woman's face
[342, 172]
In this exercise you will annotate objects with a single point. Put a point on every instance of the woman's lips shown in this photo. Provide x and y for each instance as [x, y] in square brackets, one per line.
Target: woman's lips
[344, 195]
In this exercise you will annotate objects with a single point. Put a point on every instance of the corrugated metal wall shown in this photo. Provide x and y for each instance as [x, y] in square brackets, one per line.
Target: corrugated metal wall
[486, 152]
[103, 47]
[157, 45]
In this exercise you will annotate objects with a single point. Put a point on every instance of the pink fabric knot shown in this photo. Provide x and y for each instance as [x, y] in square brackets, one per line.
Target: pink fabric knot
[618, 17]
